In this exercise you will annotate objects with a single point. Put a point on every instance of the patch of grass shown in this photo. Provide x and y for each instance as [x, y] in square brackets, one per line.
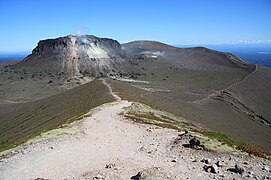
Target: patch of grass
[158, 119]
[152, 121]
[221, 137]
[6, 148]
[27, 120]
[142, 113]
[255, 151]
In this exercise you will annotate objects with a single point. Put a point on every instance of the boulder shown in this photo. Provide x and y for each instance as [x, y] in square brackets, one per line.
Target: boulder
[219, 163]
[211, 169]
[239, 169]
[149, 174]
[214, 169]
[266, 168]
[110, 165]
[194, 142]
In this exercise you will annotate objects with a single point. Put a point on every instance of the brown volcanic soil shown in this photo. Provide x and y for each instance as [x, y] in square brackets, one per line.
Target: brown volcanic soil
[254, 92]
[183, 90]
[22, 121]
[213, 114]
[179, 96]
[216, 89]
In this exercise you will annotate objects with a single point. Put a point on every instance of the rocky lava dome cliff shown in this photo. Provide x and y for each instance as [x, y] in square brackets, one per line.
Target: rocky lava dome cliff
[76, 55]
[87, 55]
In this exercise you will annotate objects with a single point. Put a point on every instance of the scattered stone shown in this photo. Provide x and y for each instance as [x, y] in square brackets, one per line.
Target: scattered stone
[173, 160]
[152, 173]
[182, 133]
[23, 151]
[3, 160]
[51, 81]
[221, 175]
[219, 163]
[266, 168]
[214, 169]
[250, 173]
[211, 169]
[99, 177]
[237, 169]
[194, 142]
[111, 165]
[250, 176]
[194, 160]
[206, 161]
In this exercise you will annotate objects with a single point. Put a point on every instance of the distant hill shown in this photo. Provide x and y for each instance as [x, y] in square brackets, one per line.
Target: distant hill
[252, 53]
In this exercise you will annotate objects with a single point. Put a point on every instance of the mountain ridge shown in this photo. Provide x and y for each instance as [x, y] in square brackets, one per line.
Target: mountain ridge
[214, 88]
[88, 55]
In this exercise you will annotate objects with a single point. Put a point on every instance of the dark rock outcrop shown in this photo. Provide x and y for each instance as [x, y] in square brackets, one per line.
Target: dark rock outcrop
[75, 56]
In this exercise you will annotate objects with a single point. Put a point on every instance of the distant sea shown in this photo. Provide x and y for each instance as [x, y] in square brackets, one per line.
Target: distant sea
[252, 53]
[10, 57]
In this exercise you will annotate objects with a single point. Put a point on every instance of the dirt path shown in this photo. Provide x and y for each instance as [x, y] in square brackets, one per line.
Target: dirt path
[111, 91]
[108, 146]
[248, 76]
[227, 88]
[105, 138]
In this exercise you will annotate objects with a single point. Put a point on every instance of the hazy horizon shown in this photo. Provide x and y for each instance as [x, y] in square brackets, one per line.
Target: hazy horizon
[171, 22]
[252, 53]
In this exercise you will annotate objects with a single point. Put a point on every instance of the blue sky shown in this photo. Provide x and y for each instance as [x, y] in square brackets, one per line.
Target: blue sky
[25, 22]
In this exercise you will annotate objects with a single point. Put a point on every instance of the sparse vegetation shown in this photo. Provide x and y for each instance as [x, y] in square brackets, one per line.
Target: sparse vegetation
[26, 120]
[145, 114]
[141, 113]
[153, 120]
[209, 112]
[221, 137]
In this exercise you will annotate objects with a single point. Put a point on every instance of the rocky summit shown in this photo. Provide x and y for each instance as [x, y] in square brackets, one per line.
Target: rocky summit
[75, 56]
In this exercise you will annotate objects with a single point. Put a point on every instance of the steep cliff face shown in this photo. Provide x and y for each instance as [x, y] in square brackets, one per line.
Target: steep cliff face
[75, 55]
